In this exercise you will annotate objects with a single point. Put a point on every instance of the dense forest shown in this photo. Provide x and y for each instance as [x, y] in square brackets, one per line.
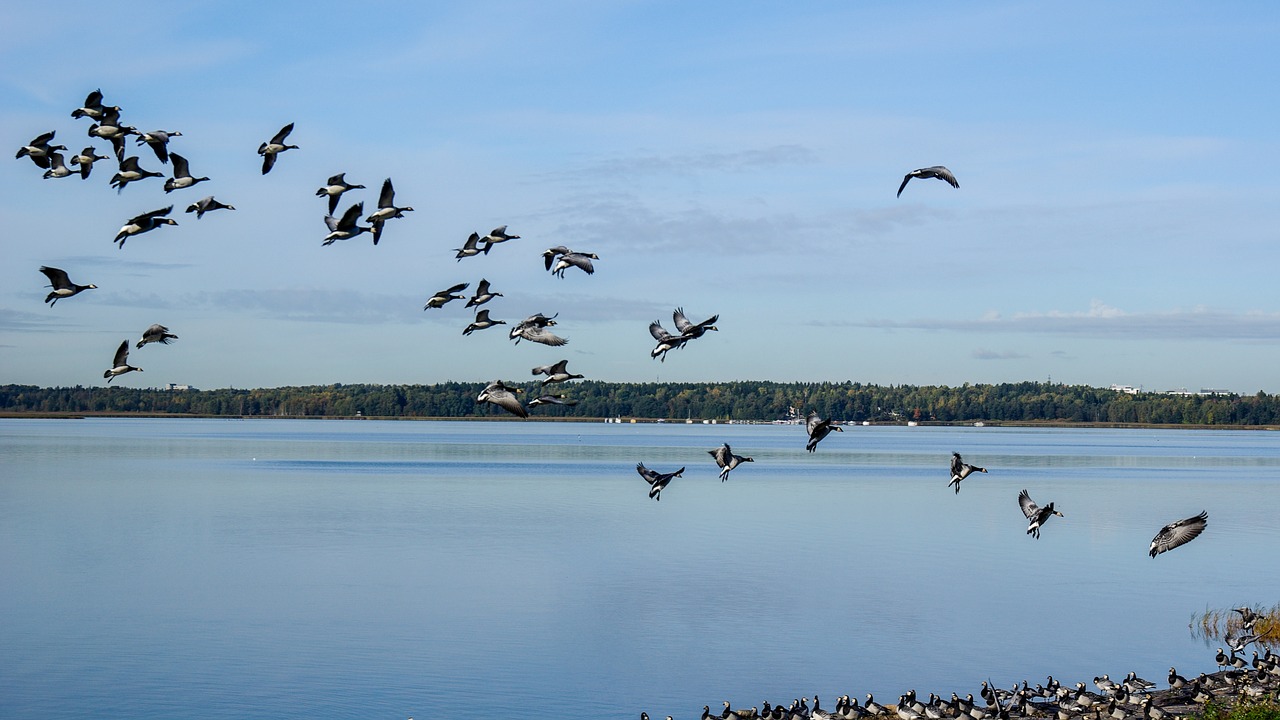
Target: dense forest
[738, 401]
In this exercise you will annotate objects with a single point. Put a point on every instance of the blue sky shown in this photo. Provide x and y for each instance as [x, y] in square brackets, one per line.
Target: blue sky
[1116, 220]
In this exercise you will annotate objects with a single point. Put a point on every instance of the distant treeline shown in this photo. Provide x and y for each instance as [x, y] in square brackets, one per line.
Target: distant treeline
[744, 400]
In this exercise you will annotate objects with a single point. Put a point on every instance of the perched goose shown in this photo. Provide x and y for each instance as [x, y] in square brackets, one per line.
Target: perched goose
[181, 175]
[818, 429]
[93, 107]
[85, 160]
[534, 329]
[276, 145]
[558, 399]
[483, 294]
[120, 365]
[386, 209]
[62, 285]
[1036, 514]
[159, 142]
[345, 228]
[961, 470]
[144, 223]
[874, 707]
[1178, 533]
[156, 333]
[130, 172]
[110, 129]
[482, 322]
[38, 149]
[657, 481]
[57, 167]
[444, 296]
[726, 460]
[207, 204]
[574, 259]
[691, 331]
[470, 248]
[937, 171]
[666, 341]
[556, 373]
[504, 397]
[334, 188]
[1175, 680]
[1135, 684]
[495, 236]
[1105, 684]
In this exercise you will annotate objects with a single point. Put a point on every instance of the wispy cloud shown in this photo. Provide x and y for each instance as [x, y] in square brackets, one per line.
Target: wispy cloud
[739, 161]
[22, 321]
[983, 354]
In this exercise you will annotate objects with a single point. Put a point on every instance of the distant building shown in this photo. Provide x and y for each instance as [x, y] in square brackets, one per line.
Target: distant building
[175, 386]
[1127, 389]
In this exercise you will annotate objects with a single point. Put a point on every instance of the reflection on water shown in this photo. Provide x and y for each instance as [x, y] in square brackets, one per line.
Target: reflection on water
[211, 568]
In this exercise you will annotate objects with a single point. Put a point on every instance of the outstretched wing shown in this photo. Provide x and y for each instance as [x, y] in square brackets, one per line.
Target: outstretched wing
[649, 475]
[957, 465]
[1029, 508]
[388, 197]
[57, 277]
[812, 422]
[122, 354]
[284, 133]
[658, 332]
[721, 454]
[1178, 533]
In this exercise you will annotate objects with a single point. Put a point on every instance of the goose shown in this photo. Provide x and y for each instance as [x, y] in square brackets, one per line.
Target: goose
[1105, 684]
[1178, 533]
[345, 228]
[666, 341]
[726, 460]
[207, 204]
[657, 481]
[85, 160]
[469, 248]
[482, 322]
[534, 329]
[1239, 643]
[689, 330]
[181, 175]
[874, 707]
[504, 397]
[1175, 680]
[937, 171]
[1151, 711]
[93, 107]
[495, 236]
[550, 254]
[1201, 694]
[1248, 618]
[144, 223]
[276, 145]
[1036, 514]
[38, 149]
[130, 172]
[551, 400]
[386, 209]
[1221, 658]
[483, 294]
[818, 429]
[334, 188]
[905, 711]
[1135, 684]
[110, 129]
[574, 259]
[159, 142]
[57, 167]
[120, 365]
[444, 296]
[62, 285]
[556, 373]
[961, 470]
[156, 334]
[817, 713]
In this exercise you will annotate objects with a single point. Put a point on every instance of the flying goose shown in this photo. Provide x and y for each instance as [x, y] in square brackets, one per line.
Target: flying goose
[1248, 618]
[504, 397]
[110, 129]
[483, 294]
[181, 175]
[130, 172]
[62, 285]
[144, 223]
[550, 254]
[38, 149]
[495, 236]
[156, 333]
[482, 322]
[57, 167]
[276, 145]
[726, 460]
[334, 188]
[469, 248]
[207, 204]
[961, 470]
[937, 171]
[85, 160]
[818, 429]
[120, 365]
[159, 142]
[1036, 514]
[556, 373]
[386, 209]
[346, 228]
[93, 107]
[657, 481]
[534, 329]
[549, 399]
[444, 296]
[575, 259]
[689, 330]
[666, 341]
[1178, 533]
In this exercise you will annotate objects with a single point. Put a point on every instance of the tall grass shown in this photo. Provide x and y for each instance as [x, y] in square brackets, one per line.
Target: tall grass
[1218, 624]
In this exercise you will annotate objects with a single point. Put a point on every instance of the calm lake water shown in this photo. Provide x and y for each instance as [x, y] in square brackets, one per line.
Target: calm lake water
[366, 569]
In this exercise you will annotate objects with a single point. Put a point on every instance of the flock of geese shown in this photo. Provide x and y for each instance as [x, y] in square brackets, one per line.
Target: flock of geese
[1132, 698]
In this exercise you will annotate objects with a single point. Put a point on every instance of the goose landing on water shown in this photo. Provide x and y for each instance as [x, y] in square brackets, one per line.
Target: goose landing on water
[657, 481]
[818, 429]
[1178, 533]
[961, 470]
[726, 460]
[1036, 514]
